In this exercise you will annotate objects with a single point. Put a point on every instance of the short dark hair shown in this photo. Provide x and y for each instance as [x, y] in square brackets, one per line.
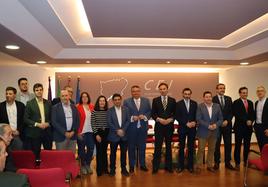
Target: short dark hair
[37, 85]
[220, 84]
[9, 88]
[22, 79]
[207, 92]
[80, 100]
[242, 88]
[97, 105]
[187, 89]
[163, 83]
[116, 95]
[134, 86]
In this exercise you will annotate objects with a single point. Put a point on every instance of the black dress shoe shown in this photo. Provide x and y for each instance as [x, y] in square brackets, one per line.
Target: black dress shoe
[191, 170]
[229, 166]
[169, 170]
[131, 169]
[237, 166]
[125, 173]
[179, 170]
[112, 173]
[144, 168]
[211, 169]
[154, 171]
[216, 166]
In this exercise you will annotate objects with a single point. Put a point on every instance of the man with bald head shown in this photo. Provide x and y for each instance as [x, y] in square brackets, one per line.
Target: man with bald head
[6, 135]
[65, 121]
[70, 92]
[261, 123]
[8, 178]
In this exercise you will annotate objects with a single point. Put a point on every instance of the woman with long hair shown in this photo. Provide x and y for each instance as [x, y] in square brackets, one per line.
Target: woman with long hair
[85, 140]
[101, 130]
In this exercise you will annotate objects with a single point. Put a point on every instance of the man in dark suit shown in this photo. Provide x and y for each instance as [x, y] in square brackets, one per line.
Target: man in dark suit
[118, 122]
[12, 112]
[163, 111]
[140, 112]
[58, 99]
[8, 178]
[209, 119]
[261, 123]
[65, 122]
[37, 122]
[243, 112]
[225, 129]
[186, 116]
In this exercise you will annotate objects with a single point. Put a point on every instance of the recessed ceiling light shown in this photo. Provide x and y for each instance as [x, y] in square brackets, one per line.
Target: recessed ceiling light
[88, 62]
[41, 62]
[12, 47]
[168, 62]
[244, 63]
[205, 62]
[129, 62]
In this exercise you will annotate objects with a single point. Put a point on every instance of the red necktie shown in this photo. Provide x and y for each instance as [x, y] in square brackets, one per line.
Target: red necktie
[246, 105]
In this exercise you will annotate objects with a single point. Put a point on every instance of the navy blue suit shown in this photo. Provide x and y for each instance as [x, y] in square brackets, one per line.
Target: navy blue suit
[242, 131]
[225, 132]
[115, 139]
[183, 117]
[260, 128]
[137, 136]
[59, 122]
[163, 132]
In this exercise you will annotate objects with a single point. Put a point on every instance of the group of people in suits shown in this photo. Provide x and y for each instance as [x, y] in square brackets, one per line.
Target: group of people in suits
[34, 122]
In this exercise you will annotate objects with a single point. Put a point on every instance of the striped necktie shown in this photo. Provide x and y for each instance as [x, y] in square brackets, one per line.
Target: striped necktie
[164, 102]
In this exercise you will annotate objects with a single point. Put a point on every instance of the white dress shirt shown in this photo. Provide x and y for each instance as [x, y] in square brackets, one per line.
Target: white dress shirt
[187, 104]
[221, 99]
[259, 110]
[68, 116]
[12, 115]
[118, 111]
[209, 108]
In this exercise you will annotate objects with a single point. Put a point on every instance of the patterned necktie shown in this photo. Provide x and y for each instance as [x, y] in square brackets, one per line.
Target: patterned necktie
[164, 103]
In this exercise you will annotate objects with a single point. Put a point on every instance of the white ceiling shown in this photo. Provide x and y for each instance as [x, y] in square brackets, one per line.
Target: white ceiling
[139, 30]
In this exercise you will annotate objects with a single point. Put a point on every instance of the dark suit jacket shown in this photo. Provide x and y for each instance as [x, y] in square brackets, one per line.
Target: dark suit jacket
[114, 125]
[58, 121]
[145, 109]
[20, 114]
[241, 116]
[264, 114]
[203, 119]
[8, 179]
[158, 110]
[183, 116]
[32, 115]
[227, 112]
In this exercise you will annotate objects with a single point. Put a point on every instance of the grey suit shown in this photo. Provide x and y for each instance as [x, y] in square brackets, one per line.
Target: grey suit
[206, 135]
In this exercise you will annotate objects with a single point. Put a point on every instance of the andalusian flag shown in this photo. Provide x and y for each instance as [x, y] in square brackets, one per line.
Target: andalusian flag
[58, 87]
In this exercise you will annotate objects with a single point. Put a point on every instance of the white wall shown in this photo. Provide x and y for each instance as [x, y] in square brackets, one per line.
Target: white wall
[9, 77]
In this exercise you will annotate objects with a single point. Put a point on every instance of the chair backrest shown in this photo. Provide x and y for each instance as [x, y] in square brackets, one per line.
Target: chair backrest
[52, 177]
[264, 157]
[23, 159]
[64, 159]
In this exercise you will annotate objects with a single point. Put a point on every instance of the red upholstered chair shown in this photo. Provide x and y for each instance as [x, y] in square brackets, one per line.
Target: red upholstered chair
[52, 177]
[260, 163]
[61, 159]
[24, 159]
